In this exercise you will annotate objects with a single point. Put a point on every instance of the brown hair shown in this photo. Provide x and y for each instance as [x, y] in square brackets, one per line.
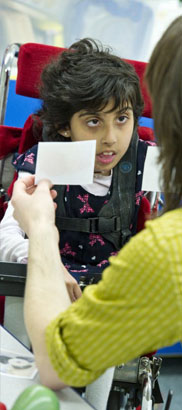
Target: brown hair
[164, 80]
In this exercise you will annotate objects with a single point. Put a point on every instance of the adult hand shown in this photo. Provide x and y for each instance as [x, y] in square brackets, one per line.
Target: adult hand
[72, 286]
[33, 204]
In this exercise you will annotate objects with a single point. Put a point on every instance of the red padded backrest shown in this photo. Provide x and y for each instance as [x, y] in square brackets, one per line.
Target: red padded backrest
[9, 139]
[33, 57]
[140, 68]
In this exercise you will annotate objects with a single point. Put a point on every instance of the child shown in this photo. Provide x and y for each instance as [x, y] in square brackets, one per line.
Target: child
[88, 93]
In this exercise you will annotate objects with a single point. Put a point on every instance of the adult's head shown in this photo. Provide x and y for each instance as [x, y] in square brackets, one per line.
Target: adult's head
[164, 79]
[88, 77]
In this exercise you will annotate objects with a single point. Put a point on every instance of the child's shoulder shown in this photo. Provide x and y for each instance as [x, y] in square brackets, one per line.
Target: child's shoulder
[142, 147]
[146, 143]
[26, 161]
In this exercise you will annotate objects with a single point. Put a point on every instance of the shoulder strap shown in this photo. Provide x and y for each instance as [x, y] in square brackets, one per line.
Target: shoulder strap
[60, 211]
[122, 202]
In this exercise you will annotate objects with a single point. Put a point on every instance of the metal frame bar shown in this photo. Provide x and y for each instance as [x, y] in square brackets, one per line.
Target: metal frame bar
[11, 52]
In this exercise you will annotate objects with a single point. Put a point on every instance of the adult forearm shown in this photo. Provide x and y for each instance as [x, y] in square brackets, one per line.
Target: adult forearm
[45, 295]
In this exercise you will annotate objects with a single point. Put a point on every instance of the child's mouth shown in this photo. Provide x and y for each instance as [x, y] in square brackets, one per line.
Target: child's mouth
[106, 157]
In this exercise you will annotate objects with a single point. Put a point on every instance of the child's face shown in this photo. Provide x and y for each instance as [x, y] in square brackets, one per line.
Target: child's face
[111, 130]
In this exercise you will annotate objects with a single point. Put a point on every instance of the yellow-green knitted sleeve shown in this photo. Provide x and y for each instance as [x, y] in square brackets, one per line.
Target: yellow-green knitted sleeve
[135, 309]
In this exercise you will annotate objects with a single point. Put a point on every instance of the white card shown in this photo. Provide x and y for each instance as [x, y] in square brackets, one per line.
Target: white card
[66, 163]
[152, 171]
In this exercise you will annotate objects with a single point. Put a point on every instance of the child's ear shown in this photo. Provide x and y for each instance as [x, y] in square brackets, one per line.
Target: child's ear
[64, 132]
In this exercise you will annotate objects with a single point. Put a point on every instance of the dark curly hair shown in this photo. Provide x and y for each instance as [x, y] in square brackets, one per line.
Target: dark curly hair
[164, 79]
[86, 76]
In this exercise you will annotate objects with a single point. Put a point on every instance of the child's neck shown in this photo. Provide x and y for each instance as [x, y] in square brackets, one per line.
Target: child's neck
[102, 173]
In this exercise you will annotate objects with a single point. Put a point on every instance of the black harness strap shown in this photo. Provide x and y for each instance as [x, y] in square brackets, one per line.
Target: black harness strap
[122, 201]
[90, 225]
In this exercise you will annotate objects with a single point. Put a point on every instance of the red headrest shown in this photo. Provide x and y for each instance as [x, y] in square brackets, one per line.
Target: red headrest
[33, 57]
[140, 68]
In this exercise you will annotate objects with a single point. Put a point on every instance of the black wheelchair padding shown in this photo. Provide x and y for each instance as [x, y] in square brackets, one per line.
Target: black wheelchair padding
[12, 278]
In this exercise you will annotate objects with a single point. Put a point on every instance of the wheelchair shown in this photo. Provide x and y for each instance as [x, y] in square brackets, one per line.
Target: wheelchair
[135, 383]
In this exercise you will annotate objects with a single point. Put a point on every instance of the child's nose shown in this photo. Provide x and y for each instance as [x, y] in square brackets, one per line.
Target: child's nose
[109, 136]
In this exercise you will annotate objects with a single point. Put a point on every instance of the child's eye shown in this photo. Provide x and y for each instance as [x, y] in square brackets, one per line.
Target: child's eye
[93, 122]
[122, 119]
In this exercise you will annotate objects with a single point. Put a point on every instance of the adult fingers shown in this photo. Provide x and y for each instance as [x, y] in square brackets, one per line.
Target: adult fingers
[31, 189]
[44, 184]
[53, 193]
[70, 291]
[22, 184]
[77, 291]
